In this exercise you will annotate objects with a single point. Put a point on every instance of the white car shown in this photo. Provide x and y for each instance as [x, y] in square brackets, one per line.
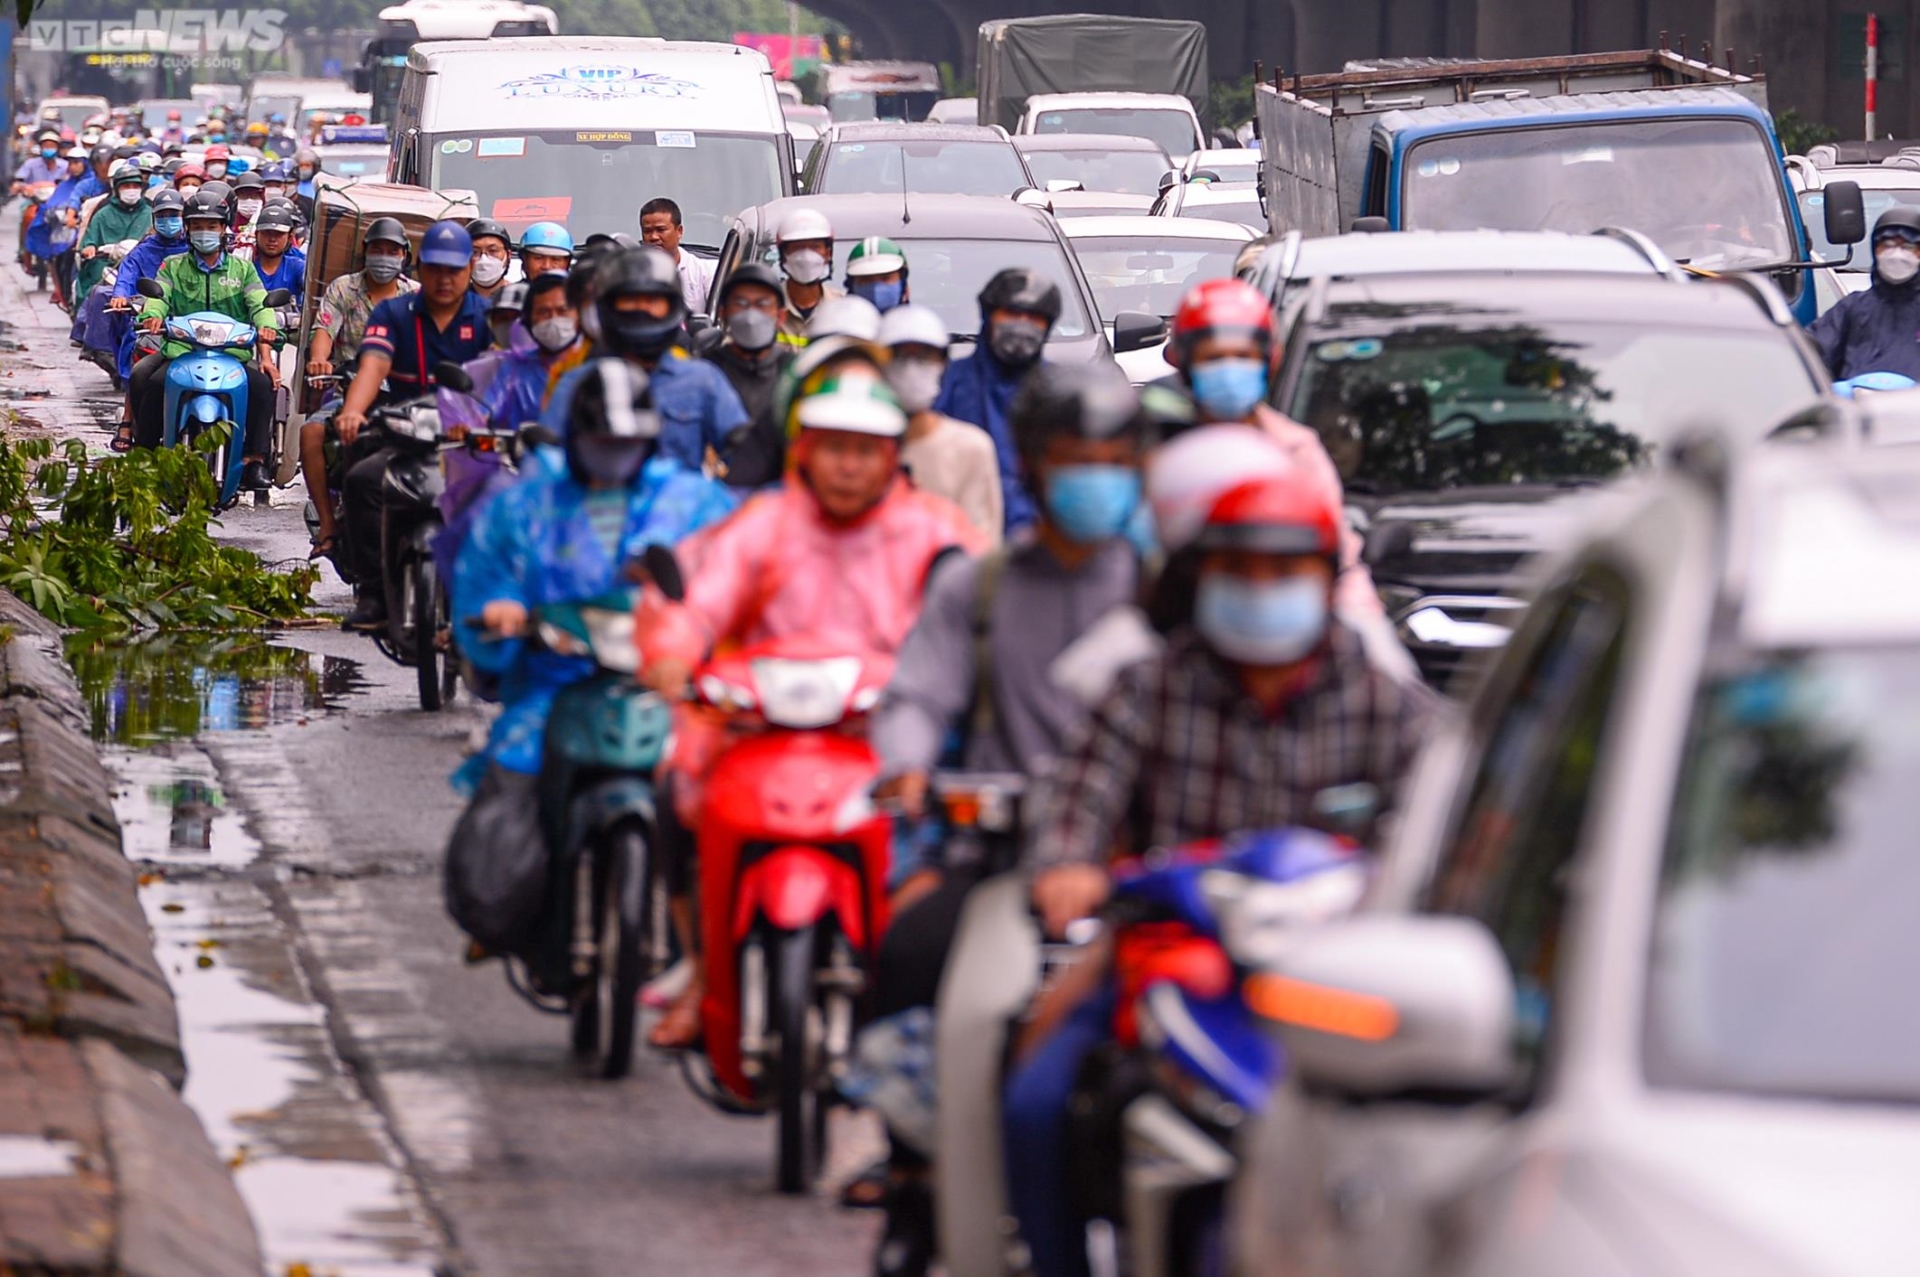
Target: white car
[1625, 995]
[1165, 118]
[1141, 267]
[1226, 164]
[1895, 180]
[1217, 201]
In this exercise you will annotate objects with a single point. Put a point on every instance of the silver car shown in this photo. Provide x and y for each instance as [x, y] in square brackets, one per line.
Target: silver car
[1626, 995]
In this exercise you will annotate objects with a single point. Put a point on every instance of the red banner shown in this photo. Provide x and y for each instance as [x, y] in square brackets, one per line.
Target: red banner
[783, 51]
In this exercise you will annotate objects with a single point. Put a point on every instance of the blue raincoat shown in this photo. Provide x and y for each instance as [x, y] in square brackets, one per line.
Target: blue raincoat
[698, 407]
[141, 262]
[66, 197]
[980, 389]
[532, 543]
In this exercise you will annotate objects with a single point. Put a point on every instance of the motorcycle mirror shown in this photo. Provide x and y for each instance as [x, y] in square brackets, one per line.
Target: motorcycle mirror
[665, 571]
[1844, 213]
[151, 288]
[279, 297]
[453, 377]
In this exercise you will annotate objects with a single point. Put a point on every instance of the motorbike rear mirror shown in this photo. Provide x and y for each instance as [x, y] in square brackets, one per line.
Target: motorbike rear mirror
[1844, 213]
[665, 571]
[279, 297]
[150, 287]
[453, 377]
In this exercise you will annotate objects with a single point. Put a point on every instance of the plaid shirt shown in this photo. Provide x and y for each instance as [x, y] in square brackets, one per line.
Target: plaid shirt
[1179, 752]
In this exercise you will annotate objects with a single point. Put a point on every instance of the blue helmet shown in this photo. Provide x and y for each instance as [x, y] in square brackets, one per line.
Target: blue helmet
[547, 237]
[273, 172]
[446, 244]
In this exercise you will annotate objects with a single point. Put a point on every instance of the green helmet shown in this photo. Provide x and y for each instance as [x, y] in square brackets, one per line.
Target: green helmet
[856, 399]
[875, 255]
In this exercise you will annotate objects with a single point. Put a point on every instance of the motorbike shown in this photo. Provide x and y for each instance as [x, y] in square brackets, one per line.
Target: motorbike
[206, 388]
[103, 350]
[605, 736]
[31, 201]
[417, 609]
[1153, 1129]
[1872, 383]
[793, 878]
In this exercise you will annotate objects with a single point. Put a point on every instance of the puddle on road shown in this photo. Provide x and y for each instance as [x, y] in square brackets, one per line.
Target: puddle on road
[310, 1156]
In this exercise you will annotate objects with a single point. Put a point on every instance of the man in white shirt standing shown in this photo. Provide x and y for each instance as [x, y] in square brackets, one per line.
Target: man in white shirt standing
[660, 226]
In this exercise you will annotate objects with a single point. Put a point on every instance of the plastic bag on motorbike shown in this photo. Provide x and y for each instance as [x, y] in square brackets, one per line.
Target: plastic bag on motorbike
[497, 862]
[893, 1074]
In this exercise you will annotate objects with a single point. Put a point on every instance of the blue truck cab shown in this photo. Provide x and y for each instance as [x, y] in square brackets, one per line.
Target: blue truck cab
[1681, 151]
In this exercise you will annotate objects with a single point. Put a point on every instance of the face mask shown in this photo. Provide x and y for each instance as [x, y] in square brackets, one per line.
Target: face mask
[247, 207]
[883, 296]
[916, 382]
[48, 152]
[383, 268]
[129, 195]
[556, 333]
[752, 330]
[306, 174]
[605, 462]
[1227, 389]
[169, 227]
[206, 241]
[488, 271]
[276, 192]
[502, 330]
[1897, 265]
[1261, 622]
[1016, 342]
[805, 266]
[216, 171]
[1092, 503]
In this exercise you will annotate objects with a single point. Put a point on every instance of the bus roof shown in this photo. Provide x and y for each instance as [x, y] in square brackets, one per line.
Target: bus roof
[600, 83]
[464, 19]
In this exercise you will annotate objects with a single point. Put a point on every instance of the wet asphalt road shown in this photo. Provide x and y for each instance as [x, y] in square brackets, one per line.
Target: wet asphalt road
[437, 1111]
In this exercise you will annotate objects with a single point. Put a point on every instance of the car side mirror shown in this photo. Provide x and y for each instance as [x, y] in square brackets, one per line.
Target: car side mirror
[279, 297]
[453, 377]
[1371, 226]
[362, 80]
[150, 287]
[664, 570]
[1137, 330]
[1844, 213]
[1167, 181]
[1033, 197]
[1204, 175]
[1380, 1004]
[1386, 542]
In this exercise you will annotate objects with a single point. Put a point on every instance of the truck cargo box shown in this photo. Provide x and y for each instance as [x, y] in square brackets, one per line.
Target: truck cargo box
[1087, 52]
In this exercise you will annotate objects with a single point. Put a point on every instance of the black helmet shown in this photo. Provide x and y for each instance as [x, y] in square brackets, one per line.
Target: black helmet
[217, 189]
[613, 424]
[384, 230]
[638, 272]
[1900, 218]
[487, 226]
[511, 297]
[101, 154]
[277, 215]
[207, 204]
[1086, 401]
[168, 200]
[749, 273]
[248, 181]
[1019, 288]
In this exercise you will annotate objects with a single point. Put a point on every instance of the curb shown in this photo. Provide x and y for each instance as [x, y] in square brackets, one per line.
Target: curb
[103, 1167]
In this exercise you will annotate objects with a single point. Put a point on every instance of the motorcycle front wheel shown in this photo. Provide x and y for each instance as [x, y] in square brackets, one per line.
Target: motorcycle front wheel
[802, 1107]
[432, 664]
[605, 1015]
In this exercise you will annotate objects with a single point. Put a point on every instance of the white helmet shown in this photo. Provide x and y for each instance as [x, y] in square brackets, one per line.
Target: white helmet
[845, 317]
[804, 224]
[912, 325]
[854, 399]
[1187, 473]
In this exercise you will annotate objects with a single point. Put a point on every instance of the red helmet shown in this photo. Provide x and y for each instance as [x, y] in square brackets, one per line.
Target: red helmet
[1291, 513]
[219, 151]
[1219, 307]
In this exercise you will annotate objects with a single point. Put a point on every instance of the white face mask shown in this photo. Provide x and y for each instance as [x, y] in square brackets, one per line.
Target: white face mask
[554, 334]
[488, 271]
[247, 207]
[916, 382]
[1897, 263]
[805, 266]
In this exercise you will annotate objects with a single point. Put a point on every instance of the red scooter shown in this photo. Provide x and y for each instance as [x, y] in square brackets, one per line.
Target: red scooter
[793, 884]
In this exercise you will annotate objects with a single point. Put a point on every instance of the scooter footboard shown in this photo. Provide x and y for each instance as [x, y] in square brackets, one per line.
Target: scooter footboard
[992, 974]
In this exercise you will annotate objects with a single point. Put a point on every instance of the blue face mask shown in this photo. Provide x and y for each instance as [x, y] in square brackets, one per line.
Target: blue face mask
[883, 296]
[1092, 503]
[169, 227]
[1227, 389]
[1261, 622]
[48, 152]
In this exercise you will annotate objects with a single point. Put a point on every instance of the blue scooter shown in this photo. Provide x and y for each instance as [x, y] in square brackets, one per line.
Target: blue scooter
[207, 387]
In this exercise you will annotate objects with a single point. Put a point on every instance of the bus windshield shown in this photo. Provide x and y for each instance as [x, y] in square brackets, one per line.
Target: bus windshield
[590, 180]
[1707, 190]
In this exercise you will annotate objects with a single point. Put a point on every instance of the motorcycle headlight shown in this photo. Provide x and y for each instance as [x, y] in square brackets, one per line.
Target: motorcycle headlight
[610, 635]
[805, 694]
[1258, 919]
[211, 332]
[564, 642]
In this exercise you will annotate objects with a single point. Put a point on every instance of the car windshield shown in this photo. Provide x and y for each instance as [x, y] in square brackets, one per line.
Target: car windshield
[1121, 172]
[927, 168]
[1428, 403]
[1859, 258]
[153, 111]
[948, 274]
[1172, 131]
[72, 115]
[1708, 191]
[1784, 931]
[1245, 212]
[597, 180]
[1149, 275]
[859, 104]
[359, 164]
[268, 105]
